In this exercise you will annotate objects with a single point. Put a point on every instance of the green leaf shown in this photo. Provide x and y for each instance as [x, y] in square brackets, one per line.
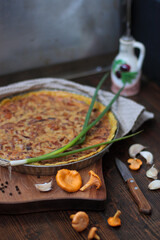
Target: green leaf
[127, 77]
[116, 63]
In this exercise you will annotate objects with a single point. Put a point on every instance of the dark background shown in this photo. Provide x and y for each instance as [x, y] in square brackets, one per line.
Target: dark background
[146, 29]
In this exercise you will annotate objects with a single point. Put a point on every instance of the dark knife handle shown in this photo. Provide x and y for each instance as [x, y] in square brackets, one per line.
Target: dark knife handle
[140, 199]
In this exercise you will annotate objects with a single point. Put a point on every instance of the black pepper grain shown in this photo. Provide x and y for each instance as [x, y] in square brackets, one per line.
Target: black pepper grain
[17, 188]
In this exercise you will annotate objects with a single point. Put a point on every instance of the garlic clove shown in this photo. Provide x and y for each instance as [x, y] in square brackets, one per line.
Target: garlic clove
[152, 172]
[135, 149]
[44, 187]
[154, 185]
[148, 156]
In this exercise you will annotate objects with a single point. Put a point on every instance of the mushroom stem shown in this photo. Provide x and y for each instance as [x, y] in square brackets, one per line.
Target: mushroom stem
[87, 185]
[93, 181]
[92, 234]
[96, 236]
[117, 214]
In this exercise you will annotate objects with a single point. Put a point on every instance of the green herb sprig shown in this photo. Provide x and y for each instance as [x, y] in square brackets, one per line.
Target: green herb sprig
[61, 150]
[91, 107]
[127, 77]
[86, 148]
[47, 156]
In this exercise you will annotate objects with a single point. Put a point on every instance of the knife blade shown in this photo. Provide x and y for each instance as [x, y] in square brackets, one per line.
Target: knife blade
[141, 201]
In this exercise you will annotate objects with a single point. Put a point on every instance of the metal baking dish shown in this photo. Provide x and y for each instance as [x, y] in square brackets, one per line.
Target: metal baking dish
[48, 170]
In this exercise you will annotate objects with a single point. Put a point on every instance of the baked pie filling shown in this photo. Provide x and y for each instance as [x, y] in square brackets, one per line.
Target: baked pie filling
[40, 122]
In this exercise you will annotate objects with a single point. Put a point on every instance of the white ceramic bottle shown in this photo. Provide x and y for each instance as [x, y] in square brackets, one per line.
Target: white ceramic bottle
[126, 67]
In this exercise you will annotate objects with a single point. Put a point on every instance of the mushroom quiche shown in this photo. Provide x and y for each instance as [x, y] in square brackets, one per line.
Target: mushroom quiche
[40, 122]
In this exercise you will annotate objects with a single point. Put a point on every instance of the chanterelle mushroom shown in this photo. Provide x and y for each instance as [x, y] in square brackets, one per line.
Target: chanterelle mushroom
[80, 221]
[115, 221]
[69, 180]
[135, 163]
[92, 234]
[93, 181]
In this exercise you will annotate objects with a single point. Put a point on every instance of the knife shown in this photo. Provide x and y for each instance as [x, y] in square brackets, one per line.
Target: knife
[141, 201]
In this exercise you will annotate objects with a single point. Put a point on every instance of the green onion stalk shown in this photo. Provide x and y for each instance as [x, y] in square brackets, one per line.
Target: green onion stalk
[49, 156]
[90, 147]
[80, 137]
[80, 141]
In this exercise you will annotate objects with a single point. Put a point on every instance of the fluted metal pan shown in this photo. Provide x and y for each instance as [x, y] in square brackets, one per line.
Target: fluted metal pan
[47, 170]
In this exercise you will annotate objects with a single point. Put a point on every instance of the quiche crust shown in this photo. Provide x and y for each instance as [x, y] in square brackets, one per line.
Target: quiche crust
[40, 122]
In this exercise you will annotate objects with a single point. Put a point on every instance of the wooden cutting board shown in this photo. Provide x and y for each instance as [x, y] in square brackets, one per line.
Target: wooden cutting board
[19, 195]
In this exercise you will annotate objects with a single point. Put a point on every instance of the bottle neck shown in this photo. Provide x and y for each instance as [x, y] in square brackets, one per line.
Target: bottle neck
[126, 48]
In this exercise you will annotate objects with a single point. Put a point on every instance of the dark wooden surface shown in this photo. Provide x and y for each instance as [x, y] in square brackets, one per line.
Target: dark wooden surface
[135, 226]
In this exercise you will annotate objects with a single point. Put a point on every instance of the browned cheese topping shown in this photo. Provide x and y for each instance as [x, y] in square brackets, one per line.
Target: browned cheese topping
[41, 122]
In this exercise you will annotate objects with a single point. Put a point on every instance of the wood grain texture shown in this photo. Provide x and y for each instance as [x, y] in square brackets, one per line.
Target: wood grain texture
[135, 226]
[19, 195]
[143, 204]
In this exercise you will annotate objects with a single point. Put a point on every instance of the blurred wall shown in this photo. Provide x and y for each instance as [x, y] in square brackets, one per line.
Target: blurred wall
[35, 33]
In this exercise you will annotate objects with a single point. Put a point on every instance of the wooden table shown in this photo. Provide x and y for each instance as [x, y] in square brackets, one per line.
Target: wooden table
[57, 224]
